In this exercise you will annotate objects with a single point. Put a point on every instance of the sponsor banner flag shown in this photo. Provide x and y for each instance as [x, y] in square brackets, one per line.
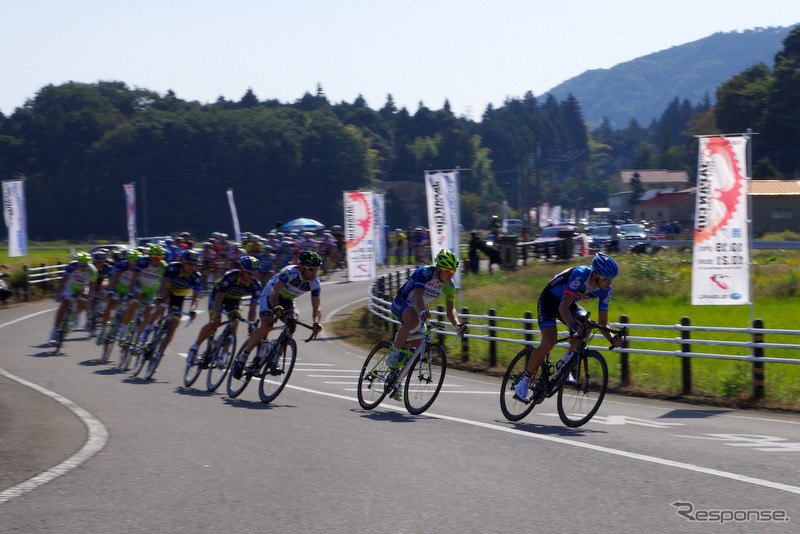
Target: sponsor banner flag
[721, 253]
[441, 189]
[380, 227]
[130, 210]
[504, 227]
[15, 217]
[359, 235]
[237, 233]
[544, 214]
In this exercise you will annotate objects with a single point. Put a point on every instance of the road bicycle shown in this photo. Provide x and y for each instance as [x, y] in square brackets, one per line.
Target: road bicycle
[94, 314]
[272, 364]
[580, 381]
[421, 377]
[216, 356]
[67, 323]
[110, 331]
[130, 343]
[149, 355]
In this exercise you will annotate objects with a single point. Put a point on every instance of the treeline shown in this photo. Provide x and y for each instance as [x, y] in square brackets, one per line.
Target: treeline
[78, 143]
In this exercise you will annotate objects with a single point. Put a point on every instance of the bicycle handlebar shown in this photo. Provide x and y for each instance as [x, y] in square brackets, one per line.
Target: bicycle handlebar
[589, 325]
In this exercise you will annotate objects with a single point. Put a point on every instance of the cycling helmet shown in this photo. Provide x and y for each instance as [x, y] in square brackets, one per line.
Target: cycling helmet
[208, 244]
[249, 264]
[189, 256]
[156, 251]
[309, 258]
[99, 255]
[83, 257]
[132, 255]
[446, 260]
[604, 265]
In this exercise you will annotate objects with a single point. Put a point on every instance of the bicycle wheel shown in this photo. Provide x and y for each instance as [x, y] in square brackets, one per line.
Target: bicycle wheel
[582, 389]
[235, 386]
[220, 360]
[276, 375]
[155, 358]
[372, 380]
[512, 407]
[194, 366]
[128, 345]
[424, 380]
[109, 339]
[61, 333]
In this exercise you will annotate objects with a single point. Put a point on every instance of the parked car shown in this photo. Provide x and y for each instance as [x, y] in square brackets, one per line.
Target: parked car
[633, 232]
[558, 242]
[112, 248]
[600, 237]
[514, 226]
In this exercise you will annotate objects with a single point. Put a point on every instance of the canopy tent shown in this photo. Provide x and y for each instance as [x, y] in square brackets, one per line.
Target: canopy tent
[302, 225]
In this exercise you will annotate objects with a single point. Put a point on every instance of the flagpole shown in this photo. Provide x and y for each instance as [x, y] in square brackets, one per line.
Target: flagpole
[748, 136]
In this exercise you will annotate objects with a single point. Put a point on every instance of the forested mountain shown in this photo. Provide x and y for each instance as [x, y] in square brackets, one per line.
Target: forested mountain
[641, 88]
[78, 143]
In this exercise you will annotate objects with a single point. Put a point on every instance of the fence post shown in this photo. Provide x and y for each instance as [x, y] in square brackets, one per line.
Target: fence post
[26, 286]
[686, 360]
[464, 339]
[624, 369]
[492, 342]
[758, 367]
[529, 327]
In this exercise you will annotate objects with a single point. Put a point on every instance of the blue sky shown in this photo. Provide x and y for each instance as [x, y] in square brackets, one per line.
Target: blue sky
[472, 52]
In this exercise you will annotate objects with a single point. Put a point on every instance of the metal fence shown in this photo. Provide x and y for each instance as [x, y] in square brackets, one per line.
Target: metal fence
[495, 330]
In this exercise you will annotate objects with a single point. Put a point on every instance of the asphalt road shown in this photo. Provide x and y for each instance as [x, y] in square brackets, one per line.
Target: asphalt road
[87, 449]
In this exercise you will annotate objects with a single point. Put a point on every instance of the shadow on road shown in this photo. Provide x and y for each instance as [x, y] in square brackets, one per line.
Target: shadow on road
[392, 416]
[551, 430]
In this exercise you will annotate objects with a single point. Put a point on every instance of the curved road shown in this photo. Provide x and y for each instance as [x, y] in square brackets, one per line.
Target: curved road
[87, 449]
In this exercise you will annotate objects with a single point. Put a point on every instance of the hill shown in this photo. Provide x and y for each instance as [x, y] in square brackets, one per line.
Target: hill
[642, 88]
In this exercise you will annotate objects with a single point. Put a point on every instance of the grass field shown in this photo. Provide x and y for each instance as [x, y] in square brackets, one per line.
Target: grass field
[653, 290]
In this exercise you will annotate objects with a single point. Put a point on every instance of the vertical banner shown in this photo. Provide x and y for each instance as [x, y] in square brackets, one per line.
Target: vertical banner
[130, 210]
[721, 254]
[379, 208]
[504, 226]
[237, 233]
[15, 217]
[359, 235]
[544, 213]
[555, 215]
[441, 189]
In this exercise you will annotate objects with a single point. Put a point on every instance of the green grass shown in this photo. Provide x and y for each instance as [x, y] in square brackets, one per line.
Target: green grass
[654, 290]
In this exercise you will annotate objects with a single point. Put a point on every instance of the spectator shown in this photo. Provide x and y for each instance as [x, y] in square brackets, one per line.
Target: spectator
[476, 244]
[5, 292]
[613, 245]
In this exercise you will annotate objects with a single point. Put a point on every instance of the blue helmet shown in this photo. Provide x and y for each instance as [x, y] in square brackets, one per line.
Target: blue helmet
[249, 264]
[604, 265]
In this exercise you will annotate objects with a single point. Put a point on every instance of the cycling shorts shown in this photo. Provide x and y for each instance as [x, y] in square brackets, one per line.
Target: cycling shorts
[548, 310]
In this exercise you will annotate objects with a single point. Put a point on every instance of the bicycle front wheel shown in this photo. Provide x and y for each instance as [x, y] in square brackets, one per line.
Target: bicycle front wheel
[374, 376]
[219, 361]
[275, 376]
[582, 389]
[235, 385]
[425, 379]
[511, 405]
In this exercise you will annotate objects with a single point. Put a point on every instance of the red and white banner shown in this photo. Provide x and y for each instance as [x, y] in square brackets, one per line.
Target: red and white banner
[237, 233]
[444, 214]
[130, 208]
[15, 217]
[721, 255]
[359, 235]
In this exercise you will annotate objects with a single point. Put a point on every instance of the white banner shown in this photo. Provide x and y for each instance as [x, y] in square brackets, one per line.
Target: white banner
[544, 214]
[237, 233]
[444, 214]
[130, 211]
[379, 207]
[359, 235]
[504, 226]
[721, 255]
[15, 217]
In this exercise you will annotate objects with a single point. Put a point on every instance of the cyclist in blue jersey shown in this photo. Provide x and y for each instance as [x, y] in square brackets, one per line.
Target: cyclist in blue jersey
[277, 300]
[408, 306]
[558, 301]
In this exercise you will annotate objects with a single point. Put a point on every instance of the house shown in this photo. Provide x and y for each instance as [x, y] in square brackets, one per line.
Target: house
[775, 205]
[654, 179]
[668, 206]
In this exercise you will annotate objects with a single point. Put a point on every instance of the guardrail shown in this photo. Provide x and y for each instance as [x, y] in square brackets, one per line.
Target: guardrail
[44, 274]
[385, 287]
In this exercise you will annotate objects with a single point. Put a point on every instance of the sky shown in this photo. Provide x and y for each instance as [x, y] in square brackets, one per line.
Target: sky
[470, 52]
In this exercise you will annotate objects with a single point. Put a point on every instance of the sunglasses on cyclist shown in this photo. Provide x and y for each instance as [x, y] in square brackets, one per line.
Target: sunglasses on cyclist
[448, 271]
[606, 279]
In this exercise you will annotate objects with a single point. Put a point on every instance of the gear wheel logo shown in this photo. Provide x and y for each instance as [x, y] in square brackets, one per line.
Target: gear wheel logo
[726, 192]
[361, 219]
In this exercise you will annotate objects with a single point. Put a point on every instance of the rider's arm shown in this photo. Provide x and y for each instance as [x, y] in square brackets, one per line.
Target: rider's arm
[316, 314]
[251, 313]
[563, 308]
[602, 319]
[272, 298]
[419, 303]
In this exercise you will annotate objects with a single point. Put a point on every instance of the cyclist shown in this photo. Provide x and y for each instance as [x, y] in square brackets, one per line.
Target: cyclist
[558, 301]
[78, 274]
[180, 279]
[123, 280]
[227, 295]
[277, 300]
[104, 267]
[146, 288]
[408, 306]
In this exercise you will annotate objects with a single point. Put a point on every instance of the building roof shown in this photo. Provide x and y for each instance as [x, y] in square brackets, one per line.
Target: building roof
[661, 176]
[667, 199]
[773, 187]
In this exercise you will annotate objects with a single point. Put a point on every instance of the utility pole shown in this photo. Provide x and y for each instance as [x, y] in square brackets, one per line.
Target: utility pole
[536, 162]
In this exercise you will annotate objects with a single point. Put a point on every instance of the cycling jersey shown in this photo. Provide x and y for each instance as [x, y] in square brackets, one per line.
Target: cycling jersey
[425, 278]
[150, 278]
[181, 285]
[294, 285]
[574, 282]
[126, 275]
[78, 278]
[229, 285]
